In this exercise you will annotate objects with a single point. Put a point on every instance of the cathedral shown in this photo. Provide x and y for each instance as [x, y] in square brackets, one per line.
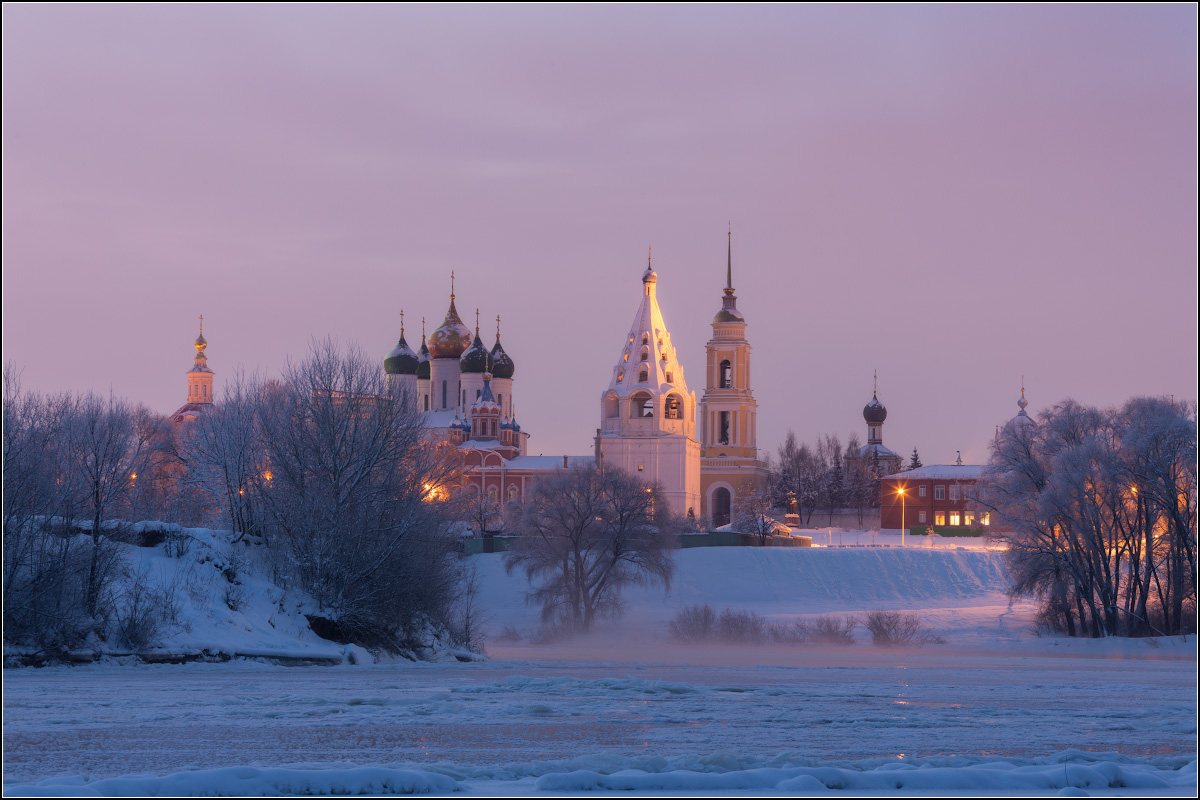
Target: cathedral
[703, 453]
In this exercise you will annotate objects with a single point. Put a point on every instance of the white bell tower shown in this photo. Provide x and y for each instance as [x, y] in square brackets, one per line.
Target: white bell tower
[647, 414]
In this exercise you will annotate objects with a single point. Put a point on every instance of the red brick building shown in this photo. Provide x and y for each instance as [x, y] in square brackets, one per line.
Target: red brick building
[934, 495]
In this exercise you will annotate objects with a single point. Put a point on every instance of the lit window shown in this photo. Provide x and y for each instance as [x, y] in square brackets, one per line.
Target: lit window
[939, 493]
[620, 375]
[921, 491]
[986, 518]
[921, 517]
[939, 518]
[954, 492]
[512, 492]
[954, 518]
[493, 494]
[968, 518]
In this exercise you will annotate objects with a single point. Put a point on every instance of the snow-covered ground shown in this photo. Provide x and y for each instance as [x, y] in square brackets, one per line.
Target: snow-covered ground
[995, 710]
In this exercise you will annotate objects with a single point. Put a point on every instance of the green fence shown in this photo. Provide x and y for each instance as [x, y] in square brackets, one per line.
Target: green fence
[498, 544]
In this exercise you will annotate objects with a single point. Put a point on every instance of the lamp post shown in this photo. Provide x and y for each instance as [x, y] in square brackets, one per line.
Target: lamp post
[900, 491]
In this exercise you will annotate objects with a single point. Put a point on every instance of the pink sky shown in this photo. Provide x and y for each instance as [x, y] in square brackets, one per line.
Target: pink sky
[954, 196]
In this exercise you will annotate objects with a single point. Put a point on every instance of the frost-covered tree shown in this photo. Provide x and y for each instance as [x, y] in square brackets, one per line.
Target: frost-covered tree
[915, 461]
[587, 533]
[1098, 510]
[752, 513]
[353, 498]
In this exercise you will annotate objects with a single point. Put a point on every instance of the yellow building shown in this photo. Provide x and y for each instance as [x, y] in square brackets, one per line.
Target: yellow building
[729, 464]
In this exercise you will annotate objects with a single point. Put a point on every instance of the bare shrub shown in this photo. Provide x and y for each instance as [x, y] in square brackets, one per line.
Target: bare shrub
[234, 597]
[897, 629]
[694, 624]
[176, 543]
[785, 633]
[741, 627]
[829, 629]
[509, 634]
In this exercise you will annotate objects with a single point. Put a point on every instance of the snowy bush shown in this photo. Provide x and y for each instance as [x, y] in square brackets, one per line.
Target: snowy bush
[694, 624]
[741, 627]
[829, 629]
[898, 628]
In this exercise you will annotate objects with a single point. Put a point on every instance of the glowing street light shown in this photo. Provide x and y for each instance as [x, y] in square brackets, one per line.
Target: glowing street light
[900, 491]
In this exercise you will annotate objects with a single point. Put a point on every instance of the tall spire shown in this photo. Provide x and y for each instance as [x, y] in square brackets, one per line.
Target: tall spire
[402, 323]
[451, 286]
[729, 263]
[497, 327]
[476, 323]
[875, 384]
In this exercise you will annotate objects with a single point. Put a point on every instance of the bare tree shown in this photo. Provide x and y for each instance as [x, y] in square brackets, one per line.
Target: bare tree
[588, 533]
[354, 497]
[483, 513]
[798, 470]
[752, 513]
[224, 453]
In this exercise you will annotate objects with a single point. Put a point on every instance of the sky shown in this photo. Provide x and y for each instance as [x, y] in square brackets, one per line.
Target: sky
[956, 197]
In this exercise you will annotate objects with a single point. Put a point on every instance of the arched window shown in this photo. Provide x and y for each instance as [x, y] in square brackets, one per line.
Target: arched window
[493, 494]
[645, 354]
[426, 402]
[512, 492]
[643, 375]
[493, 429]
[673, 409]
[726, 379]
[723, 436]
[443, 394]
[620, 375]
[645, 338]
[721, 505]
[641, 405]
[612, 406]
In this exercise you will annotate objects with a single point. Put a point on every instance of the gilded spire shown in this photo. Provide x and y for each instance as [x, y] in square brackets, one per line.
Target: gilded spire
[451, 286]
[729, 263]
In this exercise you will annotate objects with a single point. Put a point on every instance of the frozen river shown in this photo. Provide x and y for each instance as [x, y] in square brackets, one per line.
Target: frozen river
[500, 718]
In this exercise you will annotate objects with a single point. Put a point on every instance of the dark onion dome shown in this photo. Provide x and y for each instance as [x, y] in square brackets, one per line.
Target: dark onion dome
[402, 360]
[502, 364]
[476, 359]
[423, 361]
[874, 412]
[452, 338]
[730, 314]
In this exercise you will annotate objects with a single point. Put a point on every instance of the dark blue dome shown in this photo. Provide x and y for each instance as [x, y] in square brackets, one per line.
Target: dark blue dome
[402, 360]
[476, 359]
[502, 364]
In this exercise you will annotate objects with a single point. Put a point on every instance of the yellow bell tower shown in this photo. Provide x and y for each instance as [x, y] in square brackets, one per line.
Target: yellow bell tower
[729, 464]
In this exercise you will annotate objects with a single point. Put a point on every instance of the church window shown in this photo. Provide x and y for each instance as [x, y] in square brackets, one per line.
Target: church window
[493, 494]
[641, 405]
[493, 429]
[664, 356]
[426, 402]
[643, 375]
[443, 394]
[939, 493]
[612, 405]
[512, 492]
[670, 379]
[620, 375]
[726, 379]
[478, 393]
[724, 433]
[674, 409]
[627, 356]
[645, 338]
[645, 354]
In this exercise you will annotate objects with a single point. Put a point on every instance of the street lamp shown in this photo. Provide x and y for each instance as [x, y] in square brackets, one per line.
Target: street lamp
[900, 491]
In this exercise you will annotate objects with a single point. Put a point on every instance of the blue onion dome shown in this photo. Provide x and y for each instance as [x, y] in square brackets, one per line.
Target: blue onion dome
[502, 363]
[423, 361]
[452, 338]
[476, 359]
[874, 412]
[505, 424]
[402, 360]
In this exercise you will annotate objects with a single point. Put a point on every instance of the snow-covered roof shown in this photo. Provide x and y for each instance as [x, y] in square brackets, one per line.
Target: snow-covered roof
[866, 451]
[548, 462]
[949, 472]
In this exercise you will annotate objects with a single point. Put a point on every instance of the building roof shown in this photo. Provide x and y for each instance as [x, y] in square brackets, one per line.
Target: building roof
[884, 453]
[548, 462]
[949, 472]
